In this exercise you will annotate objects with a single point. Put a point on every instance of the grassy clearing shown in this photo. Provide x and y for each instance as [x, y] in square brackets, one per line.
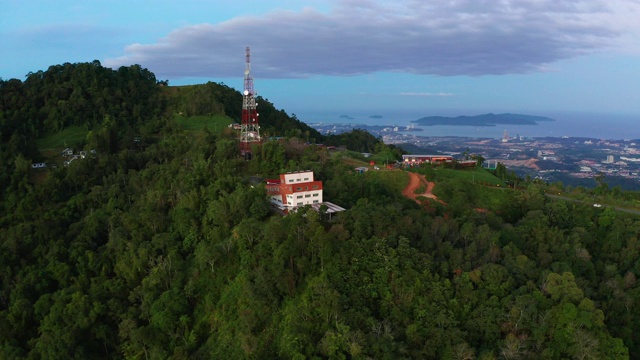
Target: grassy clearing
[215, 123]
[395, 180]
[491, 198]
[351, 158]
[455, 191]
[477, 187]
[354, 162]
[476, 175]
[64, 138]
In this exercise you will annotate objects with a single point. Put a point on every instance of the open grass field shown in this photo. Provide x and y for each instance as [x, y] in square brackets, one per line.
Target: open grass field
[215, 123]
[352, 158]
[355, 163]
[396, 180]
[476, 175]
[64, 138]
[491, 198]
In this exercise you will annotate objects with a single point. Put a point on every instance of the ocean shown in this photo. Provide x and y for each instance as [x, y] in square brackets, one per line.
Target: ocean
[597, 126]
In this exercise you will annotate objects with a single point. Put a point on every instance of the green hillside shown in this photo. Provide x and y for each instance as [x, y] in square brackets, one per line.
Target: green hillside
[163, 244]
[66, 137]
[214, 123]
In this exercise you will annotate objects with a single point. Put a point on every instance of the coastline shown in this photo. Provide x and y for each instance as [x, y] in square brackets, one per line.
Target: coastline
[592, 126]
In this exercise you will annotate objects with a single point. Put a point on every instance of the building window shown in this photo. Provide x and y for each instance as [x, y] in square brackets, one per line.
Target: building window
[306, 179]
[290, 180]
[299, 196]
[315, 187]
[299, 203]
[315, 201]
[316, 194]
[298, 188]
[307, 195]
[298, 180]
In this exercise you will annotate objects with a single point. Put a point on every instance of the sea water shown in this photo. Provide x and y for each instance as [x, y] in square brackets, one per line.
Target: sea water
[588, 125]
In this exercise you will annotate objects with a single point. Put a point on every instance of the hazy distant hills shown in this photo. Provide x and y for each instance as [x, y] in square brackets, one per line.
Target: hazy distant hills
[482, 120]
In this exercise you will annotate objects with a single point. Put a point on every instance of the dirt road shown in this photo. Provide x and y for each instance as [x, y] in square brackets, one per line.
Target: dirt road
[415, 182]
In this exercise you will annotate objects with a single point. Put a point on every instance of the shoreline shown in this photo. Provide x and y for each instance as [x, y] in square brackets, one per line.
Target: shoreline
[453, 131]
[580, 125]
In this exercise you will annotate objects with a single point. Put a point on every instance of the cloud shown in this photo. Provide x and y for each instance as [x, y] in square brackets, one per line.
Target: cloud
[457, 37]
[440, 94]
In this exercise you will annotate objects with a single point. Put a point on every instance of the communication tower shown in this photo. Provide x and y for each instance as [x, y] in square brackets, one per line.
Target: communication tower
[249, 127]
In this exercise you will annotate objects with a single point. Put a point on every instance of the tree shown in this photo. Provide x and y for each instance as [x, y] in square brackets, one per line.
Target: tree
[501, 171]
[563, 287]
[479, 159]
[602, 187]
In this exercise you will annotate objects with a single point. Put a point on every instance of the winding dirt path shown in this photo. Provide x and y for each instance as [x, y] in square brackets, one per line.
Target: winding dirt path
[416, 181]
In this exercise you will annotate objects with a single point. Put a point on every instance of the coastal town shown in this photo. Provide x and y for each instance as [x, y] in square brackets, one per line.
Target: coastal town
[574, 161]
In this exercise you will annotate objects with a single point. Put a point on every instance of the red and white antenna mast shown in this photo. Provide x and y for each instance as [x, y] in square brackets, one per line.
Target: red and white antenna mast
[249, 128]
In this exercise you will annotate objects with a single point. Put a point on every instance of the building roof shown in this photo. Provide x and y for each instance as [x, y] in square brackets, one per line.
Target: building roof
[298, 172]
[405, 156]
[331, 207]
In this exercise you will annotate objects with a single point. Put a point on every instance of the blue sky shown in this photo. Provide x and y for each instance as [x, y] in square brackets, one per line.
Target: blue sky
[434, 57]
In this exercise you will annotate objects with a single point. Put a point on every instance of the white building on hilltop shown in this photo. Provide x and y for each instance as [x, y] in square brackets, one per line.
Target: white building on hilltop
[296, 189]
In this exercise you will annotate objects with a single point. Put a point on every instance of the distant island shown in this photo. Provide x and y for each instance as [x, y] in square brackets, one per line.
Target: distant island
[349, 117]
[482, 120]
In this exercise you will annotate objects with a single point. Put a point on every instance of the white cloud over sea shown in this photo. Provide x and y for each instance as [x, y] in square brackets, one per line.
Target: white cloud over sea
[355, 37]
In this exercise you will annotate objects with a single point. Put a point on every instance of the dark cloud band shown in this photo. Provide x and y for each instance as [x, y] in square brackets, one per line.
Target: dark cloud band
[460, 37]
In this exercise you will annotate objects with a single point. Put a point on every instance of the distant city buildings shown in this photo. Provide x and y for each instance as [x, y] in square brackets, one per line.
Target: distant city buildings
[548, 158]
[505, 137]
[625, 158]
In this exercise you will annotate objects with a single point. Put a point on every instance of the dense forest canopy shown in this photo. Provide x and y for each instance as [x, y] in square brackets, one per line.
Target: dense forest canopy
[170, 250]
[115, 107]
[88, 94]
